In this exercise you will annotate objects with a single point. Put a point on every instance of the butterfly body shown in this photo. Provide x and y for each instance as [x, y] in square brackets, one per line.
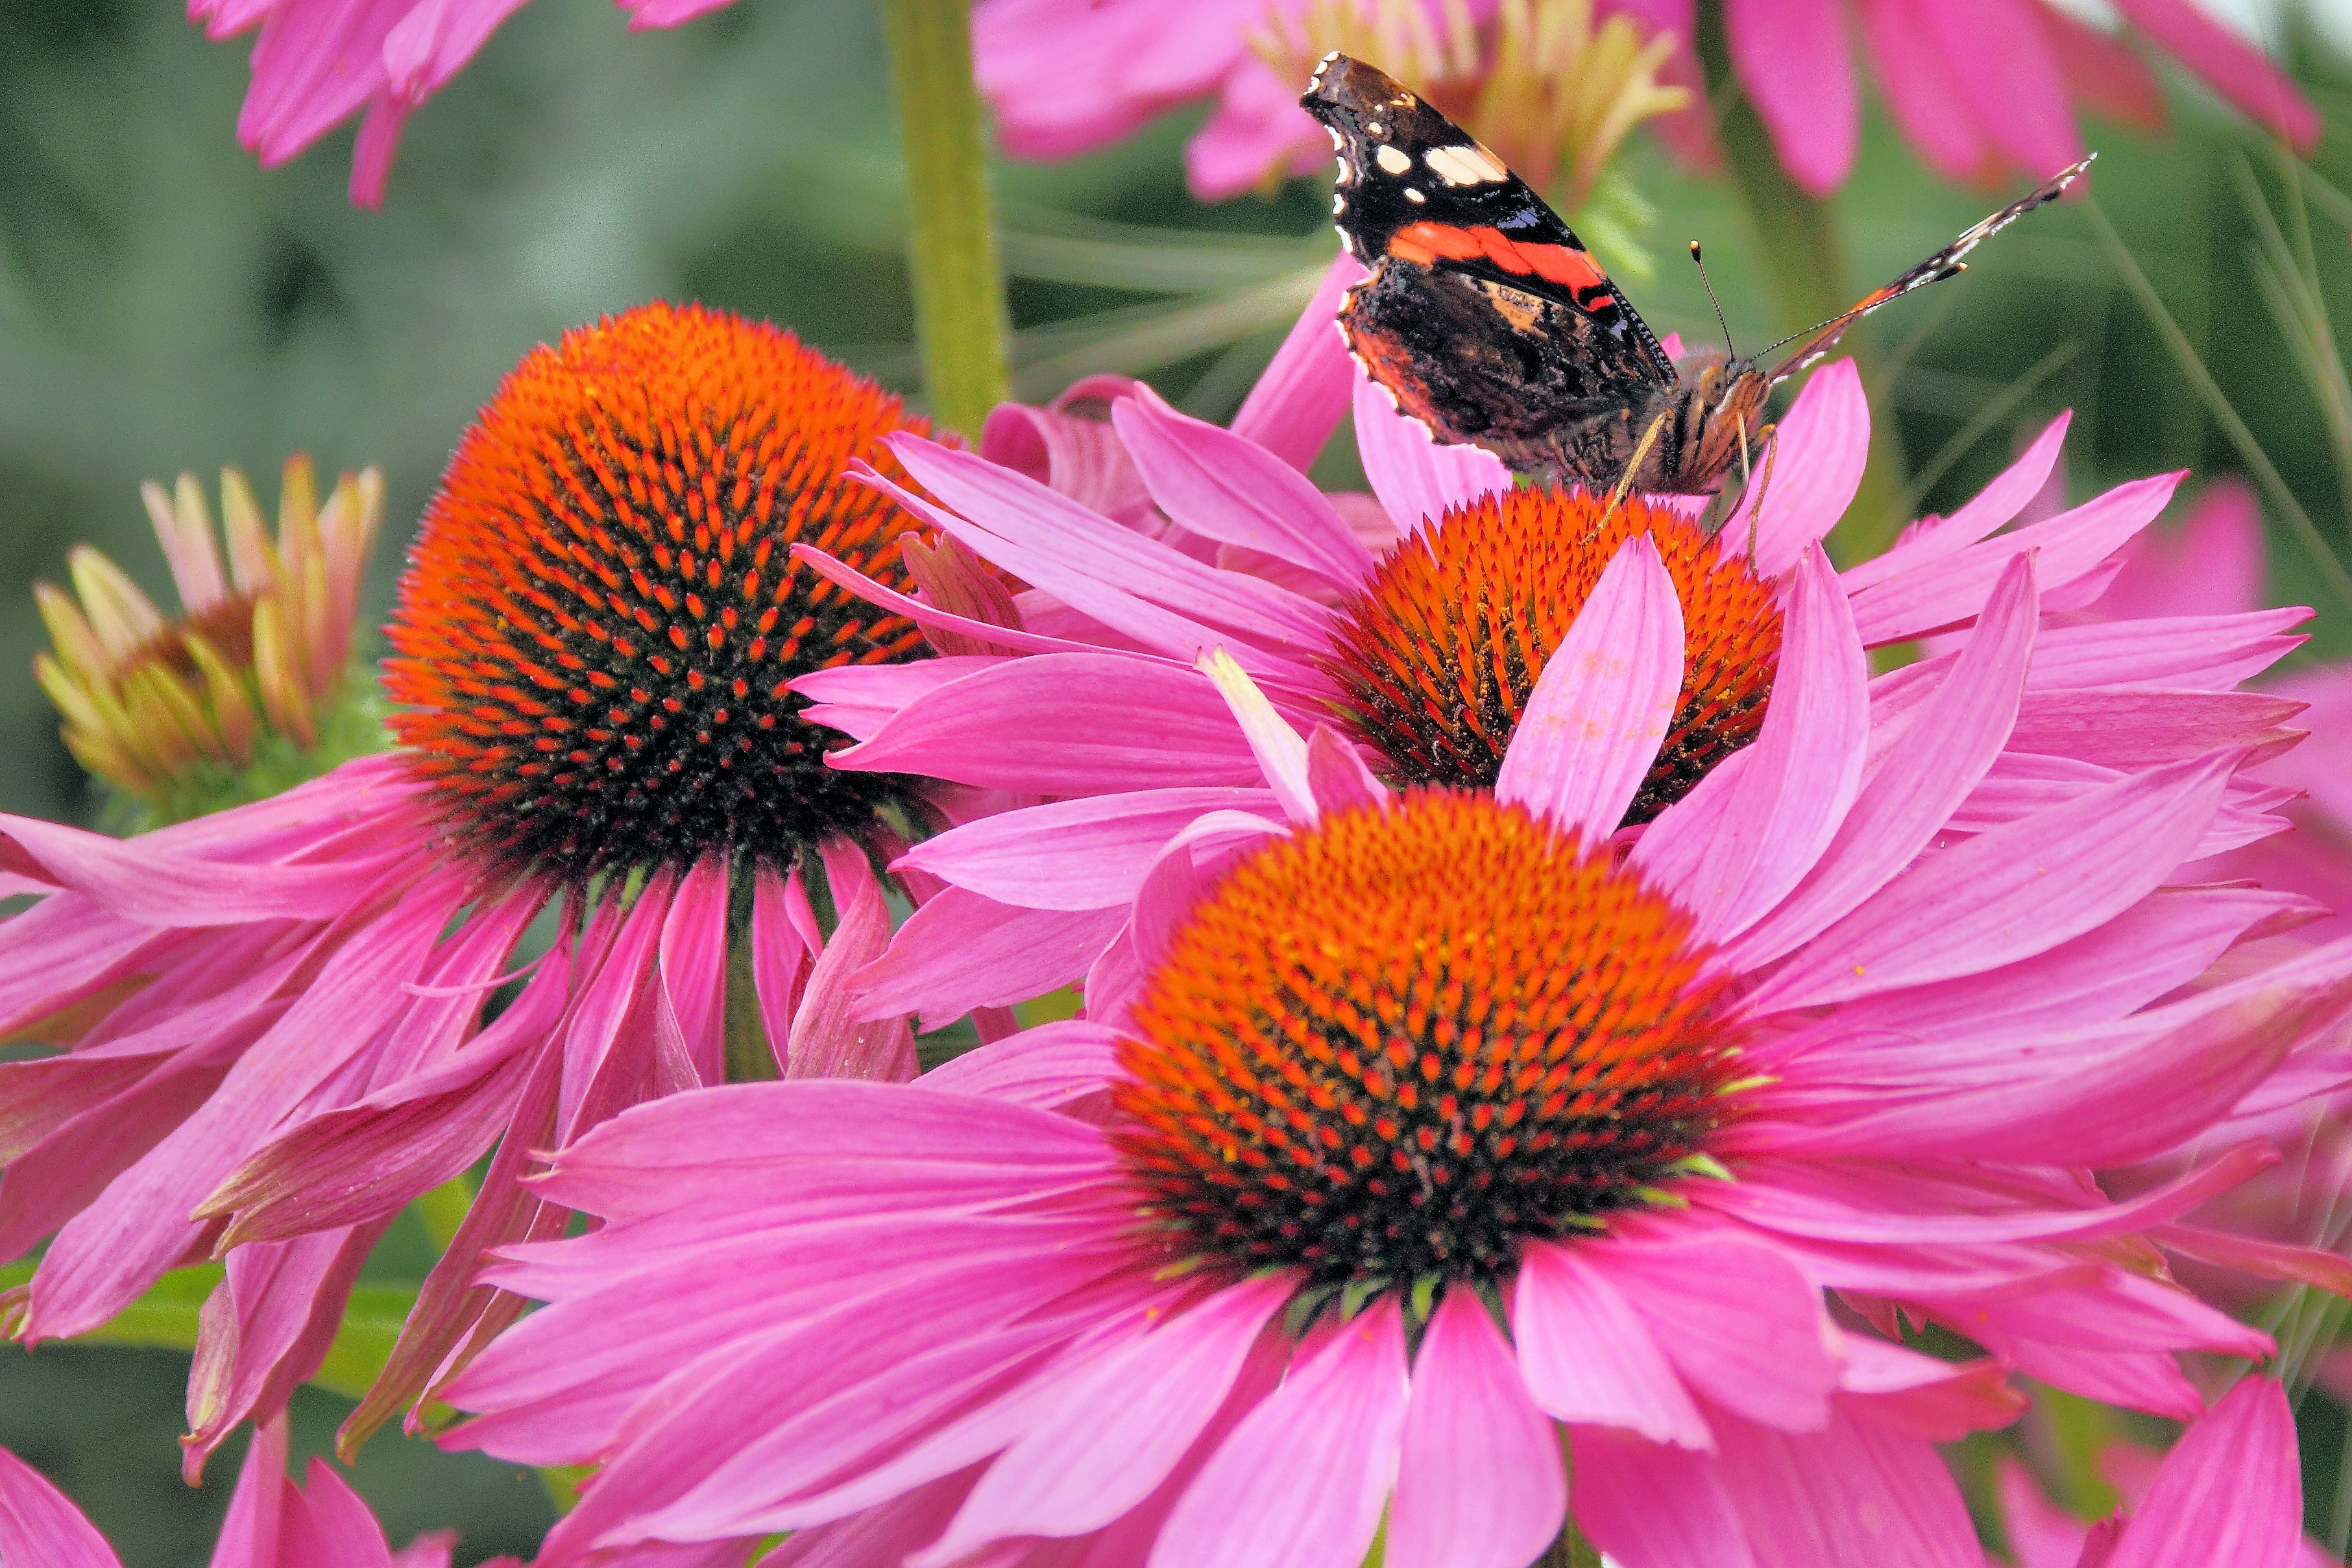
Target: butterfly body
[1488, 319]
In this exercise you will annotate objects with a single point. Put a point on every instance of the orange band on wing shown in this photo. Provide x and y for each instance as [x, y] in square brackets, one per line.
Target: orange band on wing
[1425, 242]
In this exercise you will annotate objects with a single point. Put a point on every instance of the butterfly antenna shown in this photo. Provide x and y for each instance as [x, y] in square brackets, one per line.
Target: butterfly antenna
[1864, 309]
[1709, 286]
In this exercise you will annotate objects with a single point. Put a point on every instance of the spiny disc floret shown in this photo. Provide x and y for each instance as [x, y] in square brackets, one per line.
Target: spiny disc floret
[1407, 1040]
[1435, 654]
[602, 614]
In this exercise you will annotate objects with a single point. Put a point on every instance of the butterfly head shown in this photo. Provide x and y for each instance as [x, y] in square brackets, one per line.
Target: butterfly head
[1718, 408]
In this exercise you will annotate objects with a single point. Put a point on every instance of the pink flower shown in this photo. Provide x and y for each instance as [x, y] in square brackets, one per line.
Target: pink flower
[1236, 550]
[1408, 1135]
[2229, 1492]
[319, 62]
[271, 1522]
[1981, 90]
[275, 1016]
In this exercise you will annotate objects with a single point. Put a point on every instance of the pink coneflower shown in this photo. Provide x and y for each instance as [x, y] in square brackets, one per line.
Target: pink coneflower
[1425, 648]
[319, 62]
[2229, 1492]
[1983, 91]
[276, 1015]
[271, 1522]
[1422, 1132]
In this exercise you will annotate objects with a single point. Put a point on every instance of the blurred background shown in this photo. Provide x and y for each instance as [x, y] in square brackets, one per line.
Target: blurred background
[165, 305]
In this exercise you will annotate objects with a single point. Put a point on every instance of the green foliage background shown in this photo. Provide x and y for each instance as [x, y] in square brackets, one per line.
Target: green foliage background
[167, 305]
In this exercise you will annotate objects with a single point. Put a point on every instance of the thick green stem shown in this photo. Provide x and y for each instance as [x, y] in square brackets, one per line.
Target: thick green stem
[1798, 241]
[951, 245]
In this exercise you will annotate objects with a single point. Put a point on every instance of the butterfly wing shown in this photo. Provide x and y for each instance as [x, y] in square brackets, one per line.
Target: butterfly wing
[1485, 317]
[1944, 264]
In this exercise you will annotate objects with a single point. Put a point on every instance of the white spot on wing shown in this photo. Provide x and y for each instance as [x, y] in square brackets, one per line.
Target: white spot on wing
[1374, 127]
[1393, 161]
[1415, 197]
[1464, 165]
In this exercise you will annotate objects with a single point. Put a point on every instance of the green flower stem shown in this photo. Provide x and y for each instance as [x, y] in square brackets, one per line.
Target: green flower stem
[1571, 1551]
[951, 245]
[751, 1058]
[1805, 264]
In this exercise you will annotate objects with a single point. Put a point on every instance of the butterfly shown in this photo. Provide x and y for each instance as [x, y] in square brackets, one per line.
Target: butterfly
[1486, 319]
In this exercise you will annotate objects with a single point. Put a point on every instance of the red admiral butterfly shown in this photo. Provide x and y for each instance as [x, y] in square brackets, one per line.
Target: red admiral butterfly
[1488, 319]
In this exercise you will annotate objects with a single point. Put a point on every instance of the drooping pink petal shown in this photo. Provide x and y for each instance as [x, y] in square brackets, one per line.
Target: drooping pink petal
[1602, 702]
[1280, 751]
[962, 951]
[1740, 1324]
[1479, 1484]
[1650, 1505]
[1336, 772]
[1069, 446]
[1917, 86]
[2231, 65]
[1302, 1480]
[1734, 847]
[1997, 53]
[835, 1034]
[1851, 1496]
[1588, 1358]
[1226, 487]
[1824, 442]
[1418, 478]
[1795, 66]
[2229, 1492]
[2110, 80]
[1303, 392]
[1929, 771]
[1088, 854]
[1988, 510]
[39, 1526]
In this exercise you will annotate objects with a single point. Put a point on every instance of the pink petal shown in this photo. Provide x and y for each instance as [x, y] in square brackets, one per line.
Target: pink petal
[1119, 724]
[1991, 508]
[1996, 51]
[1281, 753]
[1303, 392]
[1824, 442]
[2071, 544]
[1335, 773]
[145, 882]
[1942, 1401]
[2212, 564]
[1417, 478]
[1047, 1067]
[1650, 1506]
[1728, 858]
[1225, 487]
[962, 951]
[1301, 1481]
[1793, 62]
[2040, 1533]
[1479, 1485]
[265, 1328]
[2229, 1492]
[783, 943]
[2111, 82]
[1852, 1495]
[1739, 1321]
[837, 1032]
[1076, 452]
[1602, 702]
[1587, 1355]
[1917, 86]
[2231, 65]
[2006, 895]
[39, 1526]
[1089, 853]
[1119, 1427]
[1928, 772]
[256, 1509]
[825, 686]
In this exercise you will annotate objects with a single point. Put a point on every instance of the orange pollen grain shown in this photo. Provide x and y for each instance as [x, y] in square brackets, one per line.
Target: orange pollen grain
[1407, 1040]
[1436, 655]
[601, 613]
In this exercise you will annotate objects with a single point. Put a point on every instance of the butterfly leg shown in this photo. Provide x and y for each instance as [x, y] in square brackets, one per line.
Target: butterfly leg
[1634, 463]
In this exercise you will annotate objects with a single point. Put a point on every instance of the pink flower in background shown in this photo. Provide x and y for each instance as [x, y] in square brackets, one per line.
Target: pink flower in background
[273, 1019]
[1983, 91]
[1353, 609]
[2231, 1492]
[1147, 1288]
[271, 1522]
[319, 62]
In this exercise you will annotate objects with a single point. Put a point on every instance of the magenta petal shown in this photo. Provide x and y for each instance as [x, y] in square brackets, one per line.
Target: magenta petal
[1336, 775]
[1119, 1427]
[145, 882]
[1732, 848]
[1602, 702]
[1301, 1483]
[1587, 1355]
[1794, 64]
[1648, 1505]
[2008, 893]
[2001, 59]
[1417, 478]
[1738, 1319]
[2230, 1491]
[1988, 510]
[780, 952]
[41, 1529]
[835, 1033]
[1854, 1496]
[1917, 86]
[1823, 445]
[1479, 1484]
[2212, 564]
[1301, 394]
[1088, 854]
[962, 951]
[1227, 488]
[2233, 67]
[1047, 1067]
[1281, 753]
[1928, 771]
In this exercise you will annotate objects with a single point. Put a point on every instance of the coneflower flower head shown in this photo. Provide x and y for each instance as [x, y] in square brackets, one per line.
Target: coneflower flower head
[249, 690]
